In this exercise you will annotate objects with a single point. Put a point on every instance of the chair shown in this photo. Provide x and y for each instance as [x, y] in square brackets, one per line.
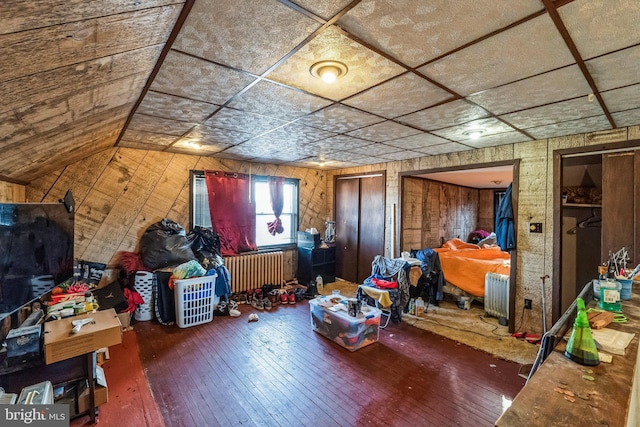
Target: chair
[381, 298]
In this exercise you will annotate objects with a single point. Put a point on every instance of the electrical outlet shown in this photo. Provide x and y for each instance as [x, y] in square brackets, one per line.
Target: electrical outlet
[527, 304]
[535, 227]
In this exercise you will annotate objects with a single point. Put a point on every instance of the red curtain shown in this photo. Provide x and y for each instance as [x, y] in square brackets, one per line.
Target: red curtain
[232, 212]
[276, 185]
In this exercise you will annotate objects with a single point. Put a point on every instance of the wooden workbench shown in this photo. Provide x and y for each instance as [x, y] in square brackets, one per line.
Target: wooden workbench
[546, 400]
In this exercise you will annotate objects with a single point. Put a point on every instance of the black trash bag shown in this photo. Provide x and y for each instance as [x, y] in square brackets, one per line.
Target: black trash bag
[205, 245]
[164, 244]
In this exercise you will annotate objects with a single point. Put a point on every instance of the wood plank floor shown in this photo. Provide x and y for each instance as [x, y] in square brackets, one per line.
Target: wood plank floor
[278, 372]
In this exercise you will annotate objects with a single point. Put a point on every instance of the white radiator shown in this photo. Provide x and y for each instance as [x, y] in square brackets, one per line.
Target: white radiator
[253, 271]
[496, 295]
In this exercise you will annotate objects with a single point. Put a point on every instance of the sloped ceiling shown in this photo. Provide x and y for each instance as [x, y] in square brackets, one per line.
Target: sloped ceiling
[231, 79]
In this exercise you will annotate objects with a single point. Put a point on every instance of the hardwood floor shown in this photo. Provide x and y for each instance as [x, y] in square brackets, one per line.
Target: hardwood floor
[278, 372]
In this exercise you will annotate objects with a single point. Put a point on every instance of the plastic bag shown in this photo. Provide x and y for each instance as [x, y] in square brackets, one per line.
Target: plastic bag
[189, 269]
[205, 245]
[165, 244]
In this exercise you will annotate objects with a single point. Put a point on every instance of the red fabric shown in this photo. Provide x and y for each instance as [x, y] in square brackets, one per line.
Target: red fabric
[133, 299]
[131, 262]
[232, 212]
[276, 185]
[384, 284]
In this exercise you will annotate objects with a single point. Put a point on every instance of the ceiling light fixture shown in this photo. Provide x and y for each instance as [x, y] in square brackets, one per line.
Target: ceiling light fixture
[474, 133]
[328, 71]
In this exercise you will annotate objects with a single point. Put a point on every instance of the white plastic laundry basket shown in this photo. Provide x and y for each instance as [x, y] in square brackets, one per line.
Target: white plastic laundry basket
[195, 299]
[143, 284]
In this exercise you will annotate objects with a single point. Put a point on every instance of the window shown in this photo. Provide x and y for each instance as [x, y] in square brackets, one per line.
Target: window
[263, 211]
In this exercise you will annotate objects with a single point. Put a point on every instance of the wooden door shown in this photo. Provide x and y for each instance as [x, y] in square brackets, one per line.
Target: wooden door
[359, 207]
[618, 205]
[347, 215]
[371, 236]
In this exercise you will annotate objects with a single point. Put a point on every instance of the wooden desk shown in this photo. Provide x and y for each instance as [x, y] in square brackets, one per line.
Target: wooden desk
[604, 401]
[69, 357]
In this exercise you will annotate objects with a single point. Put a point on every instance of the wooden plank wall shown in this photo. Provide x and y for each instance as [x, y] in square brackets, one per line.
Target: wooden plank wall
[486, 215]
[433, 211]
[12, 193]
[119, 192]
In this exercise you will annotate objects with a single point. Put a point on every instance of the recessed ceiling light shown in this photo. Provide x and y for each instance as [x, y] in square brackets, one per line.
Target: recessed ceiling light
[328, 71]
[474, 133]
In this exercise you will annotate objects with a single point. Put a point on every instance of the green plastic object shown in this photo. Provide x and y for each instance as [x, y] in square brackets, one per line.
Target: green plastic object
[581, 347]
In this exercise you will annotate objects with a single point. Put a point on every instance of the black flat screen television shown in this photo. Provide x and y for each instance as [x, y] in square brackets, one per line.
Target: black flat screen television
[36, 252]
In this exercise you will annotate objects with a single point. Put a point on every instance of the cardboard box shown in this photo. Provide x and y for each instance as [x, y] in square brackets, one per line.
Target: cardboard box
[352, 333]
[60, 344]
[101, 394]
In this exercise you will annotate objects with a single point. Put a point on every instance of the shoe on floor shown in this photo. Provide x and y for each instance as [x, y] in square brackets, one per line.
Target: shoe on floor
[253, 317]
[266, 303]
[257, 303]
[284, 298]
[234, 312]
[291, 297]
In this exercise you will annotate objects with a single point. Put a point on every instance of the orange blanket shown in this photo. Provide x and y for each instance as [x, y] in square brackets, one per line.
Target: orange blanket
[464, 265]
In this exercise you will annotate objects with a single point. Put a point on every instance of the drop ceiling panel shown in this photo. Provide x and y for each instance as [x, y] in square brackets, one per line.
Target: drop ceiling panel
[559, 112]
[339, 118]
[384, 131]
[325, 9]
[421, 140]
[176, 108]
[400, 155]
[159, 125]
[490, 126]
[299, 134]
[210, 135]
[450, 147]
[445, 115]
[416, 31]
[399, 96]
[374, 149]
[627, 118]
[277, 101]
[504, 58]
[365, 67]
[589, 124]
[497, 139]
[339, 143]
[198, 79]
[185, 145]
[245, 34]
[616, 69]
[253, 124]
[557, 85]
[595, 26]
[625, 98]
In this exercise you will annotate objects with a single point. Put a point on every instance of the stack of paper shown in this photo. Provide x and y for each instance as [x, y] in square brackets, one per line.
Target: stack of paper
[612, 341]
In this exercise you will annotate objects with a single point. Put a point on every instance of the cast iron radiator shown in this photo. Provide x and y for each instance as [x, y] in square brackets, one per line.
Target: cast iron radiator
[496, 295]
[253, 271]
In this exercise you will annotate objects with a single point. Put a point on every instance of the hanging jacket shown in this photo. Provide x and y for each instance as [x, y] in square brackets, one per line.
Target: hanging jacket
[505, 233]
